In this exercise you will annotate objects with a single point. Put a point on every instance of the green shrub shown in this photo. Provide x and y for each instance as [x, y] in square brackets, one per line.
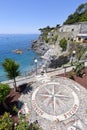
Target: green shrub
[46, 39]
[6, 122]
[63, 44]
[34, 126]
[22, 124]
[70, 74]
[55, 38]
[15, 109]
[4, 91]
[78, 68]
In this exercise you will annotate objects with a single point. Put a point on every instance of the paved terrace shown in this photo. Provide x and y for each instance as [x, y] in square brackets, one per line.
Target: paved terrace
[56, 103]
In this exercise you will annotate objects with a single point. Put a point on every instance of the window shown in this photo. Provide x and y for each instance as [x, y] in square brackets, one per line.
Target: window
[79, 38]
[72, 29]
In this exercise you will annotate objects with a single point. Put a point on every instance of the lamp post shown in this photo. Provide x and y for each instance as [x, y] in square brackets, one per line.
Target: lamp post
[35, 61]
[73, 56]
[73, 53]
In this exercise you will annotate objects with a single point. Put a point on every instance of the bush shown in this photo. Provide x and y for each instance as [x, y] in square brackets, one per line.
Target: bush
[70, 74]
[55, 38]
[78, 68]
[15, 109]
[34, 126]
[46, 40]
[22, 124]
[6, 122]
[63, 44]
[4, 91]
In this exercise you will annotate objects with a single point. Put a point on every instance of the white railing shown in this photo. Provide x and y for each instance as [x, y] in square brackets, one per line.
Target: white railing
[50, 72]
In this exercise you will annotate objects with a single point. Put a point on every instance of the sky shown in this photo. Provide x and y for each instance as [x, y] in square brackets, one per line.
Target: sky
[27, 16]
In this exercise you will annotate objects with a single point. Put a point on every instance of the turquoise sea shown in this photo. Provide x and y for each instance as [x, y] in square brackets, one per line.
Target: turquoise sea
[9, 42]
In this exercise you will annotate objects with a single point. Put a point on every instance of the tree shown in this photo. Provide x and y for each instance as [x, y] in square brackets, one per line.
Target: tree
[81, 8]
[12, 69]
[80, 15]
[45, 31]
[63, 44]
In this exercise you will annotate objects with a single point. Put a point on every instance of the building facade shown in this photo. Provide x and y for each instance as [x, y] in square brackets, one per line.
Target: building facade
[77, 32]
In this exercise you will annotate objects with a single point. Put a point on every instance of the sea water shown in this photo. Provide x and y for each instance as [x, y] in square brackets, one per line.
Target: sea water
[10, 42]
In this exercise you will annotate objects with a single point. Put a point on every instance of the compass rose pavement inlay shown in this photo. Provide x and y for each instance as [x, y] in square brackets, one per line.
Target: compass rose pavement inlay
[55, 102]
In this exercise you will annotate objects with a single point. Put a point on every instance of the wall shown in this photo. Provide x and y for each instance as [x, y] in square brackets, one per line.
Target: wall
[72, 30]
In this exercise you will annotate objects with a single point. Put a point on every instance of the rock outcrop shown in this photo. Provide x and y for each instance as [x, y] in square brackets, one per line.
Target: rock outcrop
[61, 60]
[40, 47]
[17, 51]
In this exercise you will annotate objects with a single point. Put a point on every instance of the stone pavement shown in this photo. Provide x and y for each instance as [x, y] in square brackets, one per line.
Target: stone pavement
[57, 103]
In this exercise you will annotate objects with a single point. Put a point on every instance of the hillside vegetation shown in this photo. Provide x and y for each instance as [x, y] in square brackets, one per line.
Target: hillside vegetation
[80, 15]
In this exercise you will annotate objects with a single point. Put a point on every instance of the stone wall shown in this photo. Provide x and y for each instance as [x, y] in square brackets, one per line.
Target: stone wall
[83, 28]
[72, 30]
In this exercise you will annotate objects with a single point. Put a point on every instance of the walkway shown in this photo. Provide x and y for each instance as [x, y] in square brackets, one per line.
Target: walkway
[27, 79]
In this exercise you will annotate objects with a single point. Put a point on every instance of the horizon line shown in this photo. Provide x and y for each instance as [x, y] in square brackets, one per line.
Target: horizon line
[16, 33]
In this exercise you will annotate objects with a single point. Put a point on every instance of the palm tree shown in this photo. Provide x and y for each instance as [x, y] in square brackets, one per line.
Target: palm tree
[12, 69]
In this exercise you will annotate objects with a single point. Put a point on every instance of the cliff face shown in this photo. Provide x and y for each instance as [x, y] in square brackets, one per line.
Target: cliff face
[46, 41]
[50, 51]
[48, 47]
[70, 32]
[40, 46]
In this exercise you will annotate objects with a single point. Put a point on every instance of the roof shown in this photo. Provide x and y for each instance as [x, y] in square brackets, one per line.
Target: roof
[82, 34]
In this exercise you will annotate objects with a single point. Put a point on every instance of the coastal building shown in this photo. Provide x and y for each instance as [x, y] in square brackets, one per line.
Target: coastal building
[81, 38]
[76, 32]
[52, 33]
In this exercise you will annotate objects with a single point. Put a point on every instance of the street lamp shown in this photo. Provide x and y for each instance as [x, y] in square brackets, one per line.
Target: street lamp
[35, 61]
[73, 53]
[73, 56]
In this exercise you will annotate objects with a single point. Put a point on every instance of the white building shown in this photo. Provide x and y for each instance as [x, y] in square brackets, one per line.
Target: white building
[77, 31]
[81, 38]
